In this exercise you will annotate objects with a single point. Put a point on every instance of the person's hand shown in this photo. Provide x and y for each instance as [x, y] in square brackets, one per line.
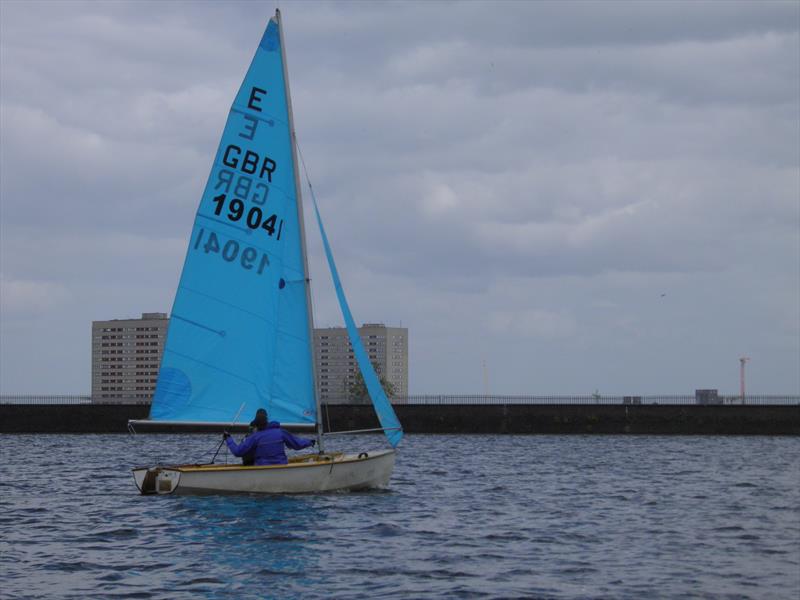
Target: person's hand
[225, 435]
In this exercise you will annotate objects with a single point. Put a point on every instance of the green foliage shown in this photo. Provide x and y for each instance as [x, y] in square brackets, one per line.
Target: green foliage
[357, 391]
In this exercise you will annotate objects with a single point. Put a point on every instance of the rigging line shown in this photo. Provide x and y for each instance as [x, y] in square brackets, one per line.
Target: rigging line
[305, 169]
[314, 198]
[375, 429]
[236, 418]
[328, 414]
[313, 293]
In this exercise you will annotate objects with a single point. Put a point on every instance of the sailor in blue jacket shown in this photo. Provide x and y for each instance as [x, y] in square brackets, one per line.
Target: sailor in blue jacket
[267, 442]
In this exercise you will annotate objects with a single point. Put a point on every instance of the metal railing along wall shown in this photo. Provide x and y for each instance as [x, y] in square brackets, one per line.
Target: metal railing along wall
[63, 399]
[59, 399]
[592, 400]
[467, 400]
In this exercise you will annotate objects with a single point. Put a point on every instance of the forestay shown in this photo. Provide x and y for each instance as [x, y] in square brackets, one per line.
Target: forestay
[240, 327]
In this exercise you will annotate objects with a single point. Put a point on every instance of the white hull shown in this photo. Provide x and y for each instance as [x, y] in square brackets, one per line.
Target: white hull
[304, 474]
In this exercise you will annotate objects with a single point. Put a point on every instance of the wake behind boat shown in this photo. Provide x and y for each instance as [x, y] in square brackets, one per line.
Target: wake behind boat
[241, 329]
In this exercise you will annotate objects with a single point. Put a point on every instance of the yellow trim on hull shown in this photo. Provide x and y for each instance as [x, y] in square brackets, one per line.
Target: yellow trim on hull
[304, 460]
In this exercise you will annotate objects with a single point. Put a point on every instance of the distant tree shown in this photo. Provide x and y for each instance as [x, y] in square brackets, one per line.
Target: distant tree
[357, 392]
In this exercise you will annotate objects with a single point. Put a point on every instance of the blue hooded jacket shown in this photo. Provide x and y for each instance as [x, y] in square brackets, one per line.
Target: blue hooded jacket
[268, 444]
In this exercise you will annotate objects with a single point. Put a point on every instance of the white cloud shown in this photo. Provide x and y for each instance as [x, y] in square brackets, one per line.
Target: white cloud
[492, 176]
[532, 323]
[20, 298]
[441, 200]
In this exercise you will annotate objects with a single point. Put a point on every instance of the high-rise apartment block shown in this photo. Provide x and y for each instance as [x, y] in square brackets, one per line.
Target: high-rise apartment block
[337, 369]
[126, 355]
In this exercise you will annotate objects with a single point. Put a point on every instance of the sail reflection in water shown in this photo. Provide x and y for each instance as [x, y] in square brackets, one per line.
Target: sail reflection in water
[263, 539]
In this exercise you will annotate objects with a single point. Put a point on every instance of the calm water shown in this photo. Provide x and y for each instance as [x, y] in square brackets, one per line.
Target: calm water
[465, 516]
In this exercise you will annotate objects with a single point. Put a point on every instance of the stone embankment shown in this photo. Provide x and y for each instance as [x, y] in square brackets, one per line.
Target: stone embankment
[458, 419]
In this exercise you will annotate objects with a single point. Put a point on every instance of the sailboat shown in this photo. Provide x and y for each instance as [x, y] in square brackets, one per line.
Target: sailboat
[240, 336]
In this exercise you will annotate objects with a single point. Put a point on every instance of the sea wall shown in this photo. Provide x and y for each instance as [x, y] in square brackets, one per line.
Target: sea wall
[581, 419]
[485, 419]
[69, 418]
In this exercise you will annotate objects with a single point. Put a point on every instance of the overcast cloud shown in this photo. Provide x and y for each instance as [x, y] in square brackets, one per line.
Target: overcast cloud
[586, 196]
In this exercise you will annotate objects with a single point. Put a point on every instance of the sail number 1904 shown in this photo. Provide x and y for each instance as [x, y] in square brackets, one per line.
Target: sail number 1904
[247, 257]
[254, 218]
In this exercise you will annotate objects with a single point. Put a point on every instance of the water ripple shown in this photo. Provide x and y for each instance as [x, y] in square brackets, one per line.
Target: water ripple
[590, 517]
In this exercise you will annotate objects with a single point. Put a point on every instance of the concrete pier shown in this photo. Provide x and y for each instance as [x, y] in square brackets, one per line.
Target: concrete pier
[454, 418]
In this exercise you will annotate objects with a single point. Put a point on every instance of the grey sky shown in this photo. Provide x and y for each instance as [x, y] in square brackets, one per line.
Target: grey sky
[515, 182]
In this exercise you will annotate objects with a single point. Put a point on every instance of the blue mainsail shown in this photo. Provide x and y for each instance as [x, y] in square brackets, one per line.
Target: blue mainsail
[239, 334]
[386, 414]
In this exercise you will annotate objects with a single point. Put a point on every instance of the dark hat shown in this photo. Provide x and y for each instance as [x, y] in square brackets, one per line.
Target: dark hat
[259, 412]
[261, 419]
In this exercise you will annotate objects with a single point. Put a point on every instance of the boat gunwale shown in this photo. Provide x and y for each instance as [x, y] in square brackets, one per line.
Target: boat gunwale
[200, 468]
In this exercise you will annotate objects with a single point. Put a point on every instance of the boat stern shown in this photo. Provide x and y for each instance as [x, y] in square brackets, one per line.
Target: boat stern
[156, 480]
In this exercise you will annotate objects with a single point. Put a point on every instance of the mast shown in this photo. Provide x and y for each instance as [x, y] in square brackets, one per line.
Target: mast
[301, 222]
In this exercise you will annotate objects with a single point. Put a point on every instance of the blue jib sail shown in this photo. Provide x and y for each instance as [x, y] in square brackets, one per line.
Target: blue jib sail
[239, 334]
[383, 408]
